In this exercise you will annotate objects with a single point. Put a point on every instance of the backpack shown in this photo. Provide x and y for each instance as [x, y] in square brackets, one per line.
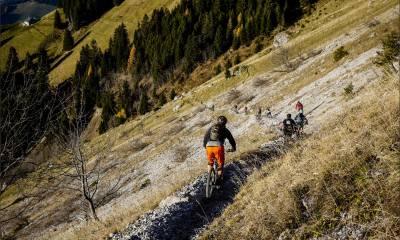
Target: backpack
[216, 132]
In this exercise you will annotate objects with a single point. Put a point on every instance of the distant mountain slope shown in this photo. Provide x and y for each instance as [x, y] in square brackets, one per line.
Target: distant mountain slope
[130, 12]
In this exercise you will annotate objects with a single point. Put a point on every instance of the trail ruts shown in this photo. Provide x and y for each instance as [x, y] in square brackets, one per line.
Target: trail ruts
[191, 211]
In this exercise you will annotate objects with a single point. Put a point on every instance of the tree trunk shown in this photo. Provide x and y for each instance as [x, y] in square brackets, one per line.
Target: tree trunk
[92, 209]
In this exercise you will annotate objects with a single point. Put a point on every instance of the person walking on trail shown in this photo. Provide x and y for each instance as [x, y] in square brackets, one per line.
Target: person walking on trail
[213, 142]
[289, 126]
[299, 107]
[259, 114]
[269, 113]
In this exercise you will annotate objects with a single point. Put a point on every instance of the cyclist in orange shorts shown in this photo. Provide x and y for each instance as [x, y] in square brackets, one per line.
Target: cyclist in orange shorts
[214, 144]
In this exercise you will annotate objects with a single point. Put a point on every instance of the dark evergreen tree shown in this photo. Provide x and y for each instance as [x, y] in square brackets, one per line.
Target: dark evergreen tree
[119, 47]
[143, 104]
[162, 100]
[172, 94]
[125, 99]
[117, 2]
[68, 43]
[82, 12]
[12, 60]
[57, 20]
[28, 63]
[108, 111]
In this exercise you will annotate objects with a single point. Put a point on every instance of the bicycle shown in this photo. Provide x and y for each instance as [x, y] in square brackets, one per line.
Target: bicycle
[212, 178]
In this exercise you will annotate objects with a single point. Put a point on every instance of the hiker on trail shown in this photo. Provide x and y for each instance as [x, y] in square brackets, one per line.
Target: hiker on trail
[289, 126]
[299, 107]
[300, 120]
[213, 142]
[259, 112]
[269, 113]
[235, 109]
[246, 111]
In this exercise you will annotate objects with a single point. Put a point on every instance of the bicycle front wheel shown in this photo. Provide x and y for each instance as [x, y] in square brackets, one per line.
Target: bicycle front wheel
[211, 179]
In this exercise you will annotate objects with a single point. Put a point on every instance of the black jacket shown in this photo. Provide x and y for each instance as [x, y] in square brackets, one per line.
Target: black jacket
[226, 134]
[289, 122]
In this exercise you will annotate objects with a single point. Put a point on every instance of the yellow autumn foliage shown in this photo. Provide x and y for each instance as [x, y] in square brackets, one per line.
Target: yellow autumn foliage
[121, 114]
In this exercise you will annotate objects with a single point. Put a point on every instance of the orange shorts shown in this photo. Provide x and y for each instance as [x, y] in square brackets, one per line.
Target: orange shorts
[216, 153]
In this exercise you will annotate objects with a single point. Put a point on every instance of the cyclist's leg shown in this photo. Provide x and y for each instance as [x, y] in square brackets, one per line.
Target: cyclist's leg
[221, 161]
[210, 152]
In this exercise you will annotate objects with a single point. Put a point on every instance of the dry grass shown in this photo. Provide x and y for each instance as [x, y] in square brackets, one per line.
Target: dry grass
[121, 216]
[345, 176]
[181, 153]
[174, 130]
[233, 95]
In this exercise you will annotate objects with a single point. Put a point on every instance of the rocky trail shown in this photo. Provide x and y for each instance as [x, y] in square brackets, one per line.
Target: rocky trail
[185, 213]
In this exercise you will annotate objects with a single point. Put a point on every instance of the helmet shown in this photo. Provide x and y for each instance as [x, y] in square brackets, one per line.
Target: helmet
[289, 115]
[222, 120]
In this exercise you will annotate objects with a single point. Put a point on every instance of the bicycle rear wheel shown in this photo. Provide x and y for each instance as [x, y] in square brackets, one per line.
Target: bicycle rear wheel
[211, 180]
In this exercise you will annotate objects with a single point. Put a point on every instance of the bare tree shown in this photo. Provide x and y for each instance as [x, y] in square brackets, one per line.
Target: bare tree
[27, 109]
[282, 59]
[85, 176]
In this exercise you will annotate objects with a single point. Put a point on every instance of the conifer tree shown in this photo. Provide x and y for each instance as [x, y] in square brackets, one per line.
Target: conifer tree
[117, 2]
[143, 104]
[68, 43]
[162, 100]
[57, 20]
[119, 47]
[12, 60]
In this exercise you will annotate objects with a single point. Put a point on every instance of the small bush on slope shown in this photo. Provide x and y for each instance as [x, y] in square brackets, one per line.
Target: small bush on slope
[345, 176]
[340, 53]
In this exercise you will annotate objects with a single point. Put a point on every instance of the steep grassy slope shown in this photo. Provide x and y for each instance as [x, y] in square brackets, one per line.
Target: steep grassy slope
[25, 39]
[340, 182]
[130, 12]
[28, 39]
[160, 152]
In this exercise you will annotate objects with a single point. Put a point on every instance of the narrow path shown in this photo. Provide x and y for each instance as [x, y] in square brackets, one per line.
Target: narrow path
[184, 214]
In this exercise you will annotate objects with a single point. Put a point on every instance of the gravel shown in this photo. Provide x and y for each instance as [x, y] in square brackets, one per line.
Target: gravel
[184, 214]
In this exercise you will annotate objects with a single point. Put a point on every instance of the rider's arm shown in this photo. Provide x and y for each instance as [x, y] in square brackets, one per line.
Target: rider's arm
[206, 137]
[230, 138]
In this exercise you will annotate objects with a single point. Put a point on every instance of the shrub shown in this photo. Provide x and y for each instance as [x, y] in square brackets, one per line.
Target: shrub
[391, 50]
[228, 64]
[236, 60]
[348, 90]
[172, 94]
[339, 54]
[57, 20]
[218, 69]
[227, 73]
[68, 43]
[259, 46]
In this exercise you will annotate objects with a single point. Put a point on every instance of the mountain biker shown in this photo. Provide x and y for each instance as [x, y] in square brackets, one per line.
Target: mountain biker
[213, 142]
[289, 126]
[300, 120]
[299, 107]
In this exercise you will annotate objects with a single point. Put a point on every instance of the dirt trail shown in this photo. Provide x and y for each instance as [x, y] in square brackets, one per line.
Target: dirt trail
[184, 214]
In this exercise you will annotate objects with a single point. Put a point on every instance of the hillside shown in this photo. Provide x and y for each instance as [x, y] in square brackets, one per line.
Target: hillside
[130, 12]
[157, 158]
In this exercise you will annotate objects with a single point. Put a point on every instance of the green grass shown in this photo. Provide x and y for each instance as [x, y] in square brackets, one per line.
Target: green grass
[25, 39]
[28, 39]
[130, 12]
